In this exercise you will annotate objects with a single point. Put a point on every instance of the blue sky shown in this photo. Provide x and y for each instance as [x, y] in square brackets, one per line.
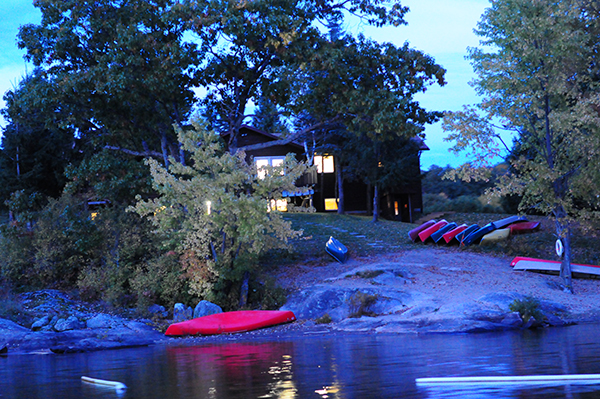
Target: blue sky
[440, 28]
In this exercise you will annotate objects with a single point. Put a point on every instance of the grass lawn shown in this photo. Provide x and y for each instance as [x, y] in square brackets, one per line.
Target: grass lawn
[363, 238]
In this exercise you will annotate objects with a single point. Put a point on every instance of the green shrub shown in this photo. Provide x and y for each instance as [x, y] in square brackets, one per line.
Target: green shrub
[266, 295]
[361, 303]
[325, 319]
[217, 208]
[161, 280]
[527, 308]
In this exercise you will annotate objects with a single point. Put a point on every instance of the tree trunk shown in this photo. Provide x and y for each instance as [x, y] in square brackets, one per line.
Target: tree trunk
[164, 145]
[563, 231]
[369, 200]
[376, 203]
[340, 184]
[244, 290]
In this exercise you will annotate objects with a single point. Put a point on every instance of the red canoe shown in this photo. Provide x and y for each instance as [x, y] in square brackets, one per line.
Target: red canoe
[424, 235]
[524, 227]
[414, 233]
[231, 322]
[452, 233]
[542, 265]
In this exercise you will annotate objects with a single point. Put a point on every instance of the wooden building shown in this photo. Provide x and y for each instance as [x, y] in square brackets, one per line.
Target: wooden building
[403, 203]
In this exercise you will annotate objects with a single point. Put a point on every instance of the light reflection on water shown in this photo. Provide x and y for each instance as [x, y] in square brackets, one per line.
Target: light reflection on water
[326, 366]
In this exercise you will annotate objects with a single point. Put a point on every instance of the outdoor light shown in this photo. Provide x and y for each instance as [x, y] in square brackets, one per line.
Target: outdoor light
[208, 204]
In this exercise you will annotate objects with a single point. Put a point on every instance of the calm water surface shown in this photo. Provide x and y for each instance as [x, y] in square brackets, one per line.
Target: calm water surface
[318, 366]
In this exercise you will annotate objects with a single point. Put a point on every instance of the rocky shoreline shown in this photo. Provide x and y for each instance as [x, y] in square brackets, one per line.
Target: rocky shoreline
[420, 291]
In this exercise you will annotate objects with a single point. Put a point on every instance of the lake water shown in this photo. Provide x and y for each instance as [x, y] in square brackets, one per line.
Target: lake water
[318, 366]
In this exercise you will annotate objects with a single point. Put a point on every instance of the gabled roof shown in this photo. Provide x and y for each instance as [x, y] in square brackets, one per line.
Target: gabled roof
[420, 143]
[266, 135]
[272, 137]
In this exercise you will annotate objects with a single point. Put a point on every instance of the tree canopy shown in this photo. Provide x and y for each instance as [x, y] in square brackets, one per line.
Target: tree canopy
[537, 71]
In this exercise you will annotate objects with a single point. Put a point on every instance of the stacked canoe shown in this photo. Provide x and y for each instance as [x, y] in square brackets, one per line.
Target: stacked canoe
[444, 232]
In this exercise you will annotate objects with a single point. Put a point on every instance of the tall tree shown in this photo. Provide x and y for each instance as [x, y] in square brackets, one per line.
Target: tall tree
[537, 73]
[216, 211]
[368, 88]
[36, 148]
[119, 66]
[254, 48]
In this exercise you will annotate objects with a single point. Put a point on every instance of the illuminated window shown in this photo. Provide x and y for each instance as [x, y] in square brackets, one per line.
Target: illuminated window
[324, 163]
[279, 205]
[261, 162]
[331, 204]
[396, 210]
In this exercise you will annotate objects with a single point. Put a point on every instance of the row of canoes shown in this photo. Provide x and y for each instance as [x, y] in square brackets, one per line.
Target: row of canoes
[444, 232]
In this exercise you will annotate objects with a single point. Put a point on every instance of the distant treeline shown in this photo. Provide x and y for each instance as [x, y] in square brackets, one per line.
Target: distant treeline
[440, 194]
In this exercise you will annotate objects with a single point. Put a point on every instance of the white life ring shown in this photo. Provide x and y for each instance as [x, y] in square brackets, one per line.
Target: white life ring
[560, 249]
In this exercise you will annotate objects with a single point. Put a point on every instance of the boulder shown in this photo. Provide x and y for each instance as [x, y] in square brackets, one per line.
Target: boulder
[205, 308]
[502, 300]
[9, 325]
[512, 320]
[41, 322]
[71, 323]
[104, 321]
[50, 325]
[181, 313]
[157, 310]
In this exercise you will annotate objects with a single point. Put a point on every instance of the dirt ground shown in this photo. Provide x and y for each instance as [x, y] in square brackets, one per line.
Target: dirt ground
[454, 276]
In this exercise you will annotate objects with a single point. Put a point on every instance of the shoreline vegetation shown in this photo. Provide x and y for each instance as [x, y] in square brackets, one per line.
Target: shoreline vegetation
[389, 285]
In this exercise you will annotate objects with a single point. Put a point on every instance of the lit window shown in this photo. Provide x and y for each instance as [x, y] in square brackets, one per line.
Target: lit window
[261, 162]
[279, 205]
[331, 204]
[324, 163]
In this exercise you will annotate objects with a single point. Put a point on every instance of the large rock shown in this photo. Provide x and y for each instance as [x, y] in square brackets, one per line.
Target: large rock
[181, 313]
[158, 311]
[205, 308]
[40, 323]
[7, 325]
[502, 300]
[104, 321]
[71, 323]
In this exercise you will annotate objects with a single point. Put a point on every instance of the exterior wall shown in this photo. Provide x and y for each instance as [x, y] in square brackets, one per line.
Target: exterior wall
[403, 203]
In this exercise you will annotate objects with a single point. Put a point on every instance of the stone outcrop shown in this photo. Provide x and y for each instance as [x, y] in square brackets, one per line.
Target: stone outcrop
[62, 325]
[399, 308]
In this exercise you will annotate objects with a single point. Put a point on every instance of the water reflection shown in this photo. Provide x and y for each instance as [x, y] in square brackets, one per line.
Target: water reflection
[260, 370]
[328, 366]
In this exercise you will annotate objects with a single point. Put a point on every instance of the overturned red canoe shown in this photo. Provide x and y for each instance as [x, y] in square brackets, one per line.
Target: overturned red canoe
[449, 236]
[553, 266]
[231, 322]
[414, 233]
[524, 227]
[425, 234]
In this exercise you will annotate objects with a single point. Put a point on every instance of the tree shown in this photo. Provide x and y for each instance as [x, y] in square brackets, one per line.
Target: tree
[217, 212]
[268, 118]
[119, 70]
[539, 78]
[254, 49]
[368, 89]
[35, 147]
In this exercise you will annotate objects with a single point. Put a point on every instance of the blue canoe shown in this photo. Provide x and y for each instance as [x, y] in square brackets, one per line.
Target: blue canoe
[502, 223]
[437, 236]
[477, 235]
[465, 233]
[337, 250]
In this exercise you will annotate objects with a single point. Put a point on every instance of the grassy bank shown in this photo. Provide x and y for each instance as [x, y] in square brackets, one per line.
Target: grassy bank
[364, 238]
